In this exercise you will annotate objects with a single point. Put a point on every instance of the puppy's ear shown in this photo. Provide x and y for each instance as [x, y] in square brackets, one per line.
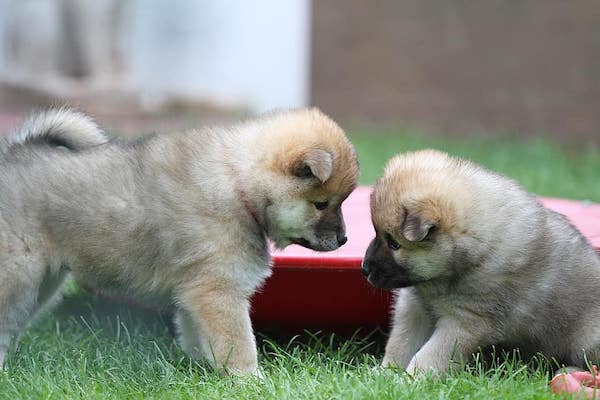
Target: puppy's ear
[314, 163]
[416, 228]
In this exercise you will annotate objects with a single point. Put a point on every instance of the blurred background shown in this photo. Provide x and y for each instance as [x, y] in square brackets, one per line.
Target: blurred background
[469, 77]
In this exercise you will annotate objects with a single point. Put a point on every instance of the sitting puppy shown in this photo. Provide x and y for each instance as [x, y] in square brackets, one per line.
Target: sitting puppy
[477, 262]
[183, 217]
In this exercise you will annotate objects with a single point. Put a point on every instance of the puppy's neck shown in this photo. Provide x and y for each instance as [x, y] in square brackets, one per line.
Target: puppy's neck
[243, 165]
[248, 194]
[248, 206]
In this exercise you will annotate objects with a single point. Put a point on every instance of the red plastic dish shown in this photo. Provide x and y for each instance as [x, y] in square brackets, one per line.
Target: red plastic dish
[310, 290]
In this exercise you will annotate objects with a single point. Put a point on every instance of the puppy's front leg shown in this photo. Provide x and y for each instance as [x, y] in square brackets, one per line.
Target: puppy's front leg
[411, 327]
[450, 341]
[221, 318]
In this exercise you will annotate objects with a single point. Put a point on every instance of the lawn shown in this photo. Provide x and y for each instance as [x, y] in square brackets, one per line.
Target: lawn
[93, 348]
[542, 166]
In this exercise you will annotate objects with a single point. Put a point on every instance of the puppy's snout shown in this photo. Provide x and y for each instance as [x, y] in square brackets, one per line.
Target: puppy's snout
[342, 240]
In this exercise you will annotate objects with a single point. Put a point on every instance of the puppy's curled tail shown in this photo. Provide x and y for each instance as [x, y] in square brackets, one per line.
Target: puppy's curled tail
[59, 127]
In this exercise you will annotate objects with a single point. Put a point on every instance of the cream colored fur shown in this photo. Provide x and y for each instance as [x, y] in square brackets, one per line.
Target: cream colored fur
[183, 218]
[476, 262]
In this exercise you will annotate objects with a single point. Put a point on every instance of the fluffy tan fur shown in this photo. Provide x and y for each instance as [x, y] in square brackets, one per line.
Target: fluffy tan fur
[476, 262]
[182, 218]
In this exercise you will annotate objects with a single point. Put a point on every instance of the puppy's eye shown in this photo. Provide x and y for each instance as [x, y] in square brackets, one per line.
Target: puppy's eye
[392, 244]
[321, 205]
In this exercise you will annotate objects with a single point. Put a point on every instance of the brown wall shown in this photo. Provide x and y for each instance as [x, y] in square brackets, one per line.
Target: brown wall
[501, 65]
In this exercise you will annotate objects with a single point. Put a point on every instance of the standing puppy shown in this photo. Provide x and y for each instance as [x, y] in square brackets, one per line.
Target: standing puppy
[182, 217]
[479, 262]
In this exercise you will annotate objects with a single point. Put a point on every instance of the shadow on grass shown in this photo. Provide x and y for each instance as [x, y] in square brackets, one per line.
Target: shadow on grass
[85, 305]
[88, 306]
[276, 344]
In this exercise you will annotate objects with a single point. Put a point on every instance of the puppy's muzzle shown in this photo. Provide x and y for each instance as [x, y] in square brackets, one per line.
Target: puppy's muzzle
[380, 268]
[330, 231]
[321, 244]
[302, 242]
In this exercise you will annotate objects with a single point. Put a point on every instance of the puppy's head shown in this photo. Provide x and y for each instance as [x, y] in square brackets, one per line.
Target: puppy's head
[417, 209]
[312, 168]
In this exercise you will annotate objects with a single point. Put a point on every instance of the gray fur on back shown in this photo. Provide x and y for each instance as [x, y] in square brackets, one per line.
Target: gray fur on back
[529, 270]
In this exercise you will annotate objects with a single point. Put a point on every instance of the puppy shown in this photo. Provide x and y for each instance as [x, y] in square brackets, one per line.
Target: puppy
[477, 262]
[183, 217]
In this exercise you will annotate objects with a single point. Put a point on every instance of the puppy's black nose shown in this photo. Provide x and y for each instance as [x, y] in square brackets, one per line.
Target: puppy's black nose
[342, 240]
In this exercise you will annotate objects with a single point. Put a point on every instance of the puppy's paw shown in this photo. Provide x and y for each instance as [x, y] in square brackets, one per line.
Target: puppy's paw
[412, 370]
[389, 363]
[417, 372]
[3, 360]
[381, 369]
[391, 372]
[243, 377]
[258, 374]
[247, 372]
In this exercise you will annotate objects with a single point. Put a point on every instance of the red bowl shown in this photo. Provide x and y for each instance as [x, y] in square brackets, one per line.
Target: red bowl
[326, 291]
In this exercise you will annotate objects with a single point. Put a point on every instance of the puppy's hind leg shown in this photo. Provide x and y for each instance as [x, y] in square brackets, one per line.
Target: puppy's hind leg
[17, 303]
[20, 279]
[49, 293]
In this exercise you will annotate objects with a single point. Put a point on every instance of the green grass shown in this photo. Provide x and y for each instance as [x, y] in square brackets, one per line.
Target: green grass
[541, 166]
[91, 348]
